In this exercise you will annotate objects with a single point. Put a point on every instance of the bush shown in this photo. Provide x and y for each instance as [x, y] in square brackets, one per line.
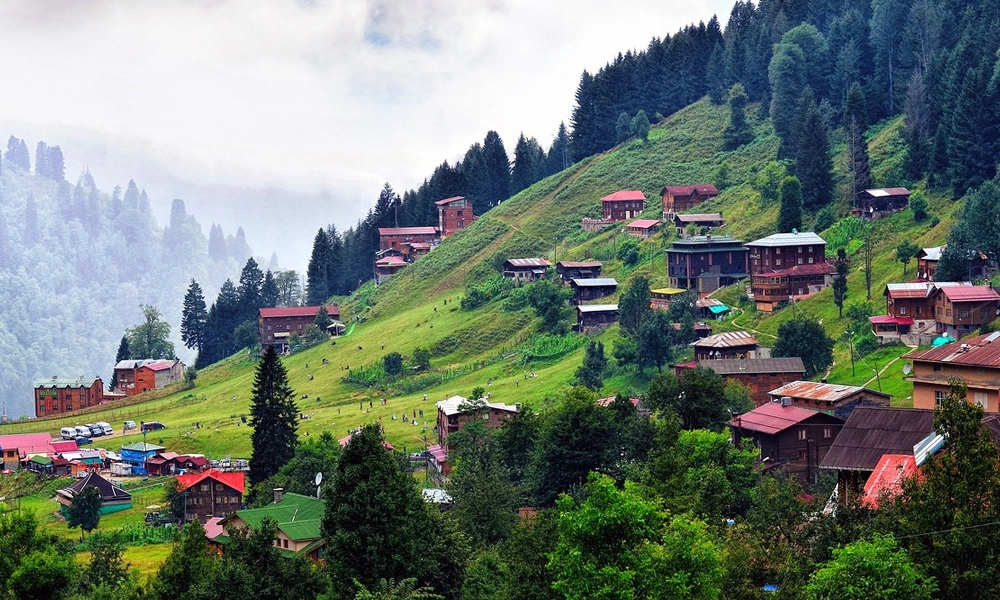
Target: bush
[628, 252]
[918, 204]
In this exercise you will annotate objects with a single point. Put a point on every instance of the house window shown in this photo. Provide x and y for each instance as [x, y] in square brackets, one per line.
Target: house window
[802, 434]
[982, 400]
[800, 249]
[777, 261]
[810, 260]
[277, 543]
[218, 487]
[947, 313]
[800, 260]
[937, 368]
[827, 433]
[918, 311]
[939, 397]
[902, 310]
[284, 543]
[204, 487]
[964, 314]
[810, 249]
[802, 454]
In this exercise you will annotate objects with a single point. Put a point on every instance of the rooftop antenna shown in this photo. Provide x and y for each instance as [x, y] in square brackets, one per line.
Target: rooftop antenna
[319, 480]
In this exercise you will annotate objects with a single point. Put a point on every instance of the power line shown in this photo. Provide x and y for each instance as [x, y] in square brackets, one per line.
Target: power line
[915, 535]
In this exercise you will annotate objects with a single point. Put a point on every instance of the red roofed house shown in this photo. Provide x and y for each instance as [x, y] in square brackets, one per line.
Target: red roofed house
[872, 204]
[211, 493]
[886, 480]
[839, 400]
[453, 214]
[387, 265]
[62, 395]
[784, 266]
[728, 344]
[976, 362]
[394, 238]
[959, 310]
[679, 198]
[17, 446]
[623, 205]
[643, 228]
[791, 438]
[275, 325]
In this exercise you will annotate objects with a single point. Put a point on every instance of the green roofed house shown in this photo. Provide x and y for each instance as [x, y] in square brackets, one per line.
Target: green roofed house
[298, 518]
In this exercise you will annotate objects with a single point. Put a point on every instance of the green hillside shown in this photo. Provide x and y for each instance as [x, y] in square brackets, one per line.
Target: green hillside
[499, 349]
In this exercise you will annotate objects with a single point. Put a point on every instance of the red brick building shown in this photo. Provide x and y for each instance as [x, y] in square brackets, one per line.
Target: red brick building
[211, 493]
[784, 266]
[394, 238]
[679, 198]
[276, 325]
[62, 395]
[623, 205]
[453, 214]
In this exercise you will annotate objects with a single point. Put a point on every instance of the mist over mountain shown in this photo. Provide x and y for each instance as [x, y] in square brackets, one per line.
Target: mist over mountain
[77, 263]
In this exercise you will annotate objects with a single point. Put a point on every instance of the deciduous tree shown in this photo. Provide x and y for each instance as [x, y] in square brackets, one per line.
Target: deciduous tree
[805, 337]
[151, 338]
[85, 510]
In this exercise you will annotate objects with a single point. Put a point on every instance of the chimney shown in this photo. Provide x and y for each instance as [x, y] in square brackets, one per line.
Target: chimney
[278, 494]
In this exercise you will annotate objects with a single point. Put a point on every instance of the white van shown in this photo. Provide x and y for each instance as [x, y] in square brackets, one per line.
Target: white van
[106, 427]
[68, 433]
[83, 431]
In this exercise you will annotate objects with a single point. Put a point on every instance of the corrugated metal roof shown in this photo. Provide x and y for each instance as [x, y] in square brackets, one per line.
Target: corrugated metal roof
[704, 189]
[734, 366]
[931, 254]
[887, 477]
[407, 231]
[66, 382]
[826, 392]
[699, 218]
[623, 195]
[788, 239]
[774, 418]
[449, 200]
[726, 339]
[644, 223]
[568, 264]
[593, 308]
[297, 311]
[885, 192]
[820, 268]
[981, 350]
[872, 431]
[972, 293]
[919, 289]
[708, 303]
[595, 282]
[234, 479]
[529, 262]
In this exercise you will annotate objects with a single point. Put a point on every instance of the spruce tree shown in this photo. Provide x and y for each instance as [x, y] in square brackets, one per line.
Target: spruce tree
[857, 146]
[269, 291]
[591, 373]
[317, 282]
[840, 281]
[558, 158]
[738, 132]
[193, 317]
[811, 151]
[497, 168]
[123, 354]
[790, 213]
[528, 164]
[917, 131]
[273, 418]
[251, 282]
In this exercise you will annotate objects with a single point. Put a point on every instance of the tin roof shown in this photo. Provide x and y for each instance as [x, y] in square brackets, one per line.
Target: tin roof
[788, 239]
[978, 351]
[567, 264]
[449, 200]
[705, 189]
[66, 382]
[918, 289]
[890, 320]
[726, 339]
[27, 443]
[407, 231]
[820, 268]
[887, 477]
[450, 406]
[597, 308]
[884, 192]
[735, 366]
[699, 218]
[872, 431]
[931, 254]
[529, 262]
[971, 293]
[668, 291]
[624, 195]
[234, 480]
[390, 261]
[826, 392]
[774, 418]
[596, 282]
[297, 311]
[644, 223]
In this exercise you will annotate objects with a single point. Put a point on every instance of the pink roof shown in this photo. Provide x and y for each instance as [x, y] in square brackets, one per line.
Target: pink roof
[159, 365]
[971, 293]
[820, 268]
[624, 195]
[213, 527]
[890, 320]
[234, 480]
[407, 230]
[297, 311]
[439, 453]
[390, 261]
[772, 418]
[449, 200]
[35, 443]
[64, 446]
[888, 476]
[726, 339]
[644, 223]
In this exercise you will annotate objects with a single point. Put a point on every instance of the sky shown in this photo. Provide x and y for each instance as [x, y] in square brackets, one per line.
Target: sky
[282, 116]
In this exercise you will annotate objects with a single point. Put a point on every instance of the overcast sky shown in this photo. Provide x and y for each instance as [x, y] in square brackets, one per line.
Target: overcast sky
[284, 115]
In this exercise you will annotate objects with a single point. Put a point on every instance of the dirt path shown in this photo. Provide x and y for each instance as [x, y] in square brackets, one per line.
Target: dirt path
[881, 371]
[751, 329]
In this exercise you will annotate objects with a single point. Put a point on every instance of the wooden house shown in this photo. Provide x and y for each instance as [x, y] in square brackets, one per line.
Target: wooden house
[728, 344]
[643, 228]
[298, 519]
[701, 223]
[792, 439]
[592, 289]
[710, 308]
[877, 203]
[787, 266]
[525, 269]
[661, 298]
[869, 433]
[452, 417]
[927, 261]
[60, 395]
[623, 205]
[395, 237]
[143, 375]
[211, 493]
[838, 400]
[760, 375]
[976, 362]
[959, 310]
[591, 317]
[113, 498]
[567, 270]
[388, 265]
[276, 325]
[680, 198]
[16, 447]
[453, 214]
[705, 263]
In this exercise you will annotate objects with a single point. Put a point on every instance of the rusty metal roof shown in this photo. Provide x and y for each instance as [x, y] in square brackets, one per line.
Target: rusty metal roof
[872, 431]
[528, 262]
[726, 339]
[735, 366]
[774, 418]
[624, 195]
[826, 392]
[705, 189]
[983, 351]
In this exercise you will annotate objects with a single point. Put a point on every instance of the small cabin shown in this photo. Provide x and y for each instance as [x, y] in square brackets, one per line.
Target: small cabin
[877, 203]
[592, 289]
[569, 270]
[525, 269]
[594, 317]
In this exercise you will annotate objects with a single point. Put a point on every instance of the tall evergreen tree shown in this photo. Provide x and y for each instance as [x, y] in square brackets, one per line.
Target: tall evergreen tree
[840, 281]
[633, 308]
[558, 157]
[251, 282]
[334, 266]
[123, 354]
[813, 164]
[857, 146]
[591, 373]
[887, 25]
[42, 160]
[787, 80]
[738, 132]
[790, 213]
[529, 164]
[317, 282]
[269, 291]
[194, 317]
[917, 131]
[273, 417]
[497, 169]
[973, 139]
[17, 154]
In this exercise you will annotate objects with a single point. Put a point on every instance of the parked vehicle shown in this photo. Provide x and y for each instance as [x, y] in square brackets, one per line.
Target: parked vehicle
[95, 430]
[106, 427]
[83, 431]
[152, 426]
[82, 440]
[68, 433]
[129, 425]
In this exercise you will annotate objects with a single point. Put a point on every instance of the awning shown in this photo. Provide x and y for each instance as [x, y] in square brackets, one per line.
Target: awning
[890, 320]
[718, 309]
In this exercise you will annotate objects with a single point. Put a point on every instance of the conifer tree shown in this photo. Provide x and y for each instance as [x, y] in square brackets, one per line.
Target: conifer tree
[123, 354]
[251, 282]
[194, 317]
[317, 282]
[790, 213]
[528, 164]
[496, 164]
[917, 130]
[42, 160]
[811, 151]
[558, 157]
[738, 132]
[857, 146]
[840, 281]
[269, 291]
[273, 417]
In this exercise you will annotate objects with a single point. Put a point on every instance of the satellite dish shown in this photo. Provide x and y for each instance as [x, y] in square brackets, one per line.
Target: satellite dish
[907, 369]
[319, 478]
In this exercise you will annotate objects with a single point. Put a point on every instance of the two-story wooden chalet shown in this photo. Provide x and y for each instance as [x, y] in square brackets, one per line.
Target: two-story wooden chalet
[959, 310]
[787, 266]
[592, 289]
[643, 228]
[927, 261]
[298, 519]
[398, 238]
[877, 203]
[60, 395]
[760, 375]
[909, 309]
[679, 198]
[700, 223]
[453, 214]
[662, 298]
[705, 263]
[453, 414]
[869, 433]
[623, 205]
[210, 494]
[728, 344]
[976, 362]
[838, 400]
[276, 325]
[568, 270]
[525, 269]
[790, 438]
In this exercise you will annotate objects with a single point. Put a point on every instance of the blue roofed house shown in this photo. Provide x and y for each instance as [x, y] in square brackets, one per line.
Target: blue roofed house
[137, 454]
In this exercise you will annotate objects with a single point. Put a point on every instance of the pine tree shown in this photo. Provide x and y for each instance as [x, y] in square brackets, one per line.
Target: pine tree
[840, 281]
[251, 282]
[790, 213]
[56, 165]
[123, 354]
[334, 267]
[528, 164]
[857, 146]
[738, 132]
[42, 160]
[194, 317]
[972, 143]
[917, 130]
[558, 157]
[497, 169]
[273, 417]
[811, 151]
[269, 291]
[17, 154]
[787, 81]
[317, 283]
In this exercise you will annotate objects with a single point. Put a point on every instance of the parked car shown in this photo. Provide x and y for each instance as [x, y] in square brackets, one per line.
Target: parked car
[152, 426]
[95, 430]
[129, 425]
[83, 431]
[106, 427]
[82, 441]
